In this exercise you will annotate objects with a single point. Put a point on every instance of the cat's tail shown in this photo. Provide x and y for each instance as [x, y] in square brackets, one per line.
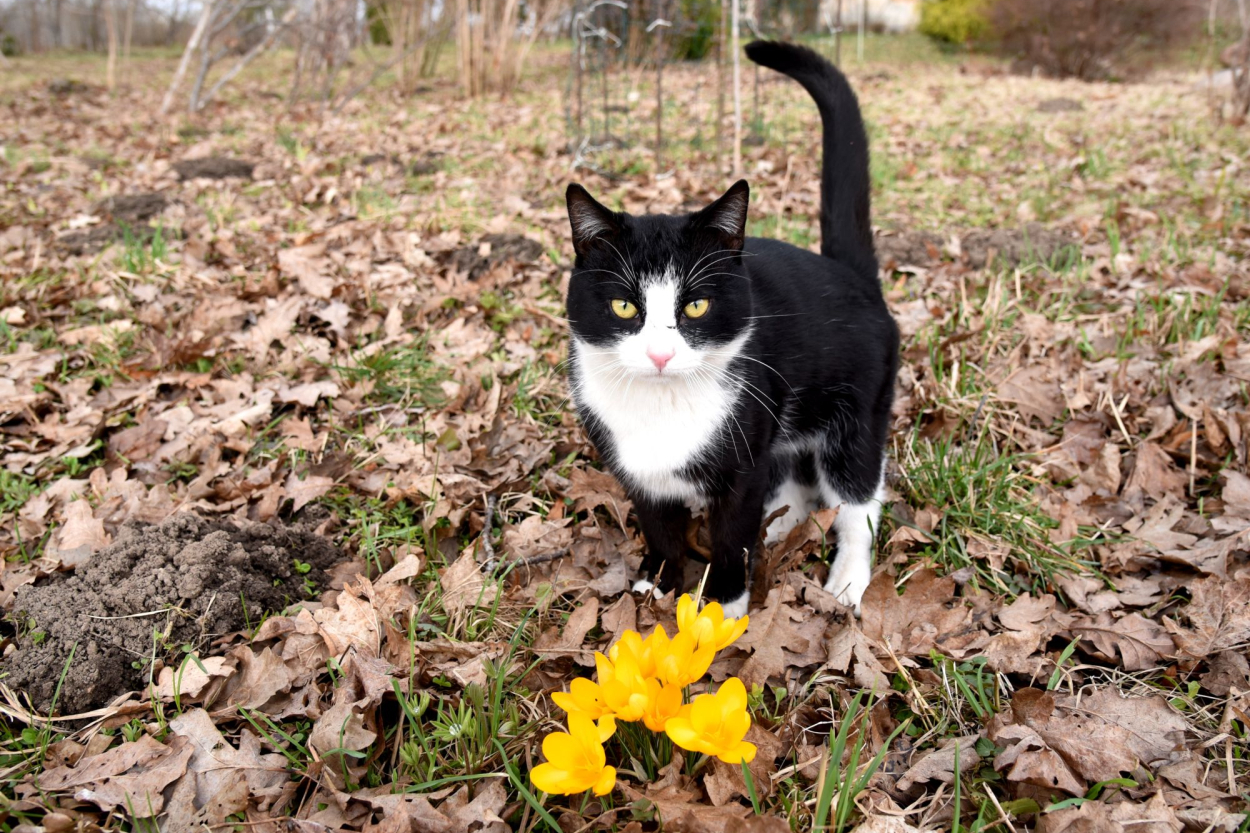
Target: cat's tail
[845, 227]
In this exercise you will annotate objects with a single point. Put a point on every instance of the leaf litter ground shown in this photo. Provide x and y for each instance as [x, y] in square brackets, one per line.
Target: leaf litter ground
[301, 330]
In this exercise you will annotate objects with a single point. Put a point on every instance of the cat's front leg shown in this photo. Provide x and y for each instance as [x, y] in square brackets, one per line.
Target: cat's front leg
[736, 515]
[664, 528]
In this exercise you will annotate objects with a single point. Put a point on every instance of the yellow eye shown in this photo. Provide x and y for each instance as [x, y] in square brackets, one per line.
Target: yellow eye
[696, 309]
[623, 308]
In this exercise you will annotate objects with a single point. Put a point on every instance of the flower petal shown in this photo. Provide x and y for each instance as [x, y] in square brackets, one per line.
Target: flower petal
[705, 716]
[550, 779]
[583, 729]
[680, 732]
[743, 752]
[562, 749]
[686, 612]
[732, 695]
[607, 780]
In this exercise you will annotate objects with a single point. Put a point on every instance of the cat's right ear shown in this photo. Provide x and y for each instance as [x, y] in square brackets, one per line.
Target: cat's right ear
[590, 220]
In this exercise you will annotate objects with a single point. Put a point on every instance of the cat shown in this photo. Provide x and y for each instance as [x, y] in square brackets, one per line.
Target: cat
[734, 375]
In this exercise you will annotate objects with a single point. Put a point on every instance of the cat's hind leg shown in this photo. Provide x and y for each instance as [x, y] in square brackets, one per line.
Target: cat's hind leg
[855, 484]
[792, 483]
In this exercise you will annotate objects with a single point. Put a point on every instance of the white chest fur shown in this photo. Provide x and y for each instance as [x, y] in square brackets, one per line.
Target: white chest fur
[657, 426]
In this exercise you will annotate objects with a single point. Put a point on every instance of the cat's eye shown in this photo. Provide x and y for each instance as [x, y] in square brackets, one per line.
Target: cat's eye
[623, 308]
[696, 309]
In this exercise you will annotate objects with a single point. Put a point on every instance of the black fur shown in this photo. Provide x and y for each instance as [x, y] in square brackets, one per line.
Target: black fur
[821, 361]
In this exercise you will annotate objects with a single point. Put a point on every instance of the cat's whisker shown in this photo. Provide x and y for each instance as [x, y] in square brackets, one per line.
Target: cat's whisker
[780, 375]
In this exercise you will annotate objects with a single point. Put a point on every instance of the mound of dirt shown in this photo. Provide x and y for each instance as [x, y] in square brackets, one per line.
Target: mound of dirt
[1060, 105]
[214, 167]
[156, 589]
[132, 209]
[89, 241]
[495, 249]
[908, 248]
[67, 86]
[1031, 244]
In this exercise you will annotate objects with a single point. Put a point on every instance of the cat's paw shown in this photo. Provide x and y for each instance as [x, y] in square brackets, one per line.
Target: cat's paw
[644, 586]
[848, 582]
[736, 608]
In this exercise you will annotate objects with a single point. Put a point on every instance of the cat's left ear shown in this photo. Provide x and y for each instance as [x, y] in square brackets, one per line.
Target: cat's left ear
[728, 215]
[589, 220]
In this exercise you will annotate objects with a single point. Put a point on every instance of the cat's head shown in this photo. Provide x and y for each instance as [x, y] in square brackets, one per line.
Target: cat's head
[659, 297]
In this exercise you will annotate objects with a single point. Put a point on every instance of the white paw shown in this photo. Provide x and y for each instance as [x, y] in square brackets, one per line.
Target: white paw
[737, 608]
[643, 586]
[848, 581]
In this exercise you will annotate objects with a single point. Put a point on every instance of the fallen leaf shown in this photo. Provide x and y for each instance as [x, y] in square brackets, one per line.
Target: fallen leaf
[131, 777]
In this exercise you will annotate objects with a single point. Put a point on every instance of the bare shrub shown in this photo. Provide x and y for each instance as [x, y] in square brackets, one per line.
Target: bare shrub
[494, 37]
[1092, 39]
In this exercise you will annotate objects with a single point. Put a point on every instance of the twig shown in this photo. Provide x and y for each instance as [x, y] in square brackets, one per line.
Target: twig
[488, 564]
[541, 558]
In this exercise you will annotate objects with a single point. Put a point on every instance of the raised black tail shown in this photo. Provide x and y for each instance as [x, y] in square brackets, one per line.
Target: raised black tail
[845, 227]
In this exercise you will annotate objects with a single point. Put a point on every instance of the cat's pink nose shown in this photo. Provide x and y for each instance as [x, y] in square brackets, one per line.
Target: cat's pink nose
[660, 357]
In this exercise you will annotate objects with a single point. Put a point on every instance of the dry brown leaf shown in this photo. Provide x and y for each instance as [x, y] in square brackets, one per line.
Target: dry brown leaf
[131, 777]
[308, 265]
[1154, 475]
[590, 488]
[220, 779]
[353, 623]
[917, 621]
[80, 534]
[939, 764]
[463, 585]
[189, 678]
[1218, 616]
[261, 676]
[1137, 641]
[768, 634]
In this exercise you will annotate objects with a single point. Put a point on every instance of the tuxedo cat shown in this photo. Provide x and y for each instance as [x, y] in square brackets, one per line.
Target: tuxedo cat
[737, 375]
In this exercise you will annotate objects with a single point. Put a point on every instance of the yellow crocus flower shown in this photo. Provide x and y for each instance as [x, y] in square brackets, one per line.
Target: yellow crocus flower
[622, 686]
[663, 703]
[583, 696]
[709, 626]
[641, 649]
[715, 724]
[575, 759]
[680, 661]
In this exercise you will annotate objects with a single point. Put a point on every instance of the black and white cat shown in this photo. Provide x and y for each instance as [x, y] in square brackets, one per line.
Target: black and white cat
[739, 375]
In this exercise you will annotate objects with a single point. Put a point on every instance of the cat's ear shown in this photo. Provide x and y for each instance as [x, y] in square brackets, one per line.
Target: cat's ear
[589, 219]
[728, 215]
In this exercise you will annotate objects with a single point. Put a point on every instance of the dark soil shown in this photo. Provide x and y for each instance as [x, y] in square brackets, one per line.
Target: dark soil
[421, 166]
[131, 209]
[186, 577]
[1060, 105]
[1032, 244]
[67, 86]
[503, 247]
[908, 248]
[98, 237]
[214, 167]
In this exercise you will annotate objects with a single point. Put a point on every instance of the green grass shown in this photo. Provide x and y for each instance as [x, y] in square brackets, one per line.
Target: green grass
[405, 374]
[15, 489]
[985, 501]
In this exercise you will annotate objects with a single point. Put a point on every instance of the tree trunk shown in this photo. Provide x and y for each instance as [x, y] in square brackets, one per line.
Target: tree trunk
[130, 29]
[720, 86]
[58, 24]
[201, 28]
[110, 20]
[659, 84]
[34, 27]
[737, 95]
